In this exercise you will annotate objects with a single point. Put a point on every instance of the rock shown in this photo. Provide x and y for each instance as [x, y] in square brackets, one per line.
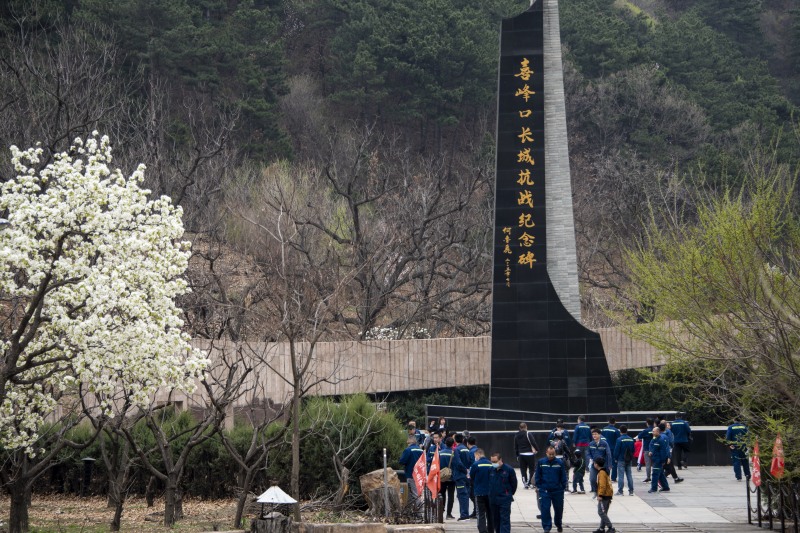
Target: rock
[372, 488]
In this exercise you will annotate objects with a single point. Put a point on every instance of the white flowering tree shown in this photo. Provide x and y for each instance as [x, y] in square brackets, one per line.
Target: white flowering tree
[89, 271]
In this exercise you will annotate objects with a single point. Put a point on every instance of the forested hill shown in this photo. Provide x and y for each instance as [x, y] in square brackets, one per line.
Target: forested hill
[379, 115]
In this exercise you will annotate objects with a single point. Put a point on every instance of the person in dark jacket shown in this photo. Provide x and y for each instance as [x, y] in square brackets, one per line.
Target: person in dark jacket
[551, 482]
[624, 455]
[669, 468]
[433, 443]
[582, 434]
[611, 434]
[659, 455]
[448, 459]
[646, 435]
[578, 472]
[412, 425]
[560, 429]
[682, 432]
[480, 474]
[408, 459]
[461, 463]
[525, 451]
[472, 444]
[503, 482]
[735, 436]
[597, 448]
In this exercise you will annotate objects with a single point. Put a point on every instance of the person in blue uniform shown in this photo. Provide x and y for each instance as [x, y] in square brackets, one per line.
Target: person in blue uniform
[448, 459]
[551, 482]
[659, 455]
[611, 434]
[646, 435]
[408, 459]
[472, 444]
[560, 429]
[736, 437]
[480, 475]
[433, 443]
[682, 432]
[582, 434]
[503, 485]
[461, 463]
[624, 457]
[598, 447]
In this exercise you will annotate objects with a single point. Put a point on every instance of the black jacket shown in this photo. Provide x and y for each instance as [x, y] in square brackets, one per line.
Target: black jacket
[522, 443]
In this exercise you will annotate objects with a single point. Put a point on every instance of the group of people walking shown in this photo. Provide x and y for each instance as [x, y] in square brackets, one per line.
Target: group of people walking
[608, 453]
[467, 474]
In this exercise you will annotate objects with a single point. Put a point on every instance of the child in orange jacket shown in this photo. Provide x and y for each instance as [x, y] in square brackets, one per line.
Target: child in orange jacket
[605, 492]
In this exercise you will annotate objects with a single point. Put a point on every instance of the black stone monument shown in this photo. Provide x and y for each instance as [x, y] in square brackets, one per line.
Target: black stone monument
[543, 359]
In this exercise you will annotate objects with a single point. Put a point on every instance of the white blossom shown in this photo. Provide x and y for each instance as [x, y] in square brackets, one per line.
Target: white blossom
[89, 271]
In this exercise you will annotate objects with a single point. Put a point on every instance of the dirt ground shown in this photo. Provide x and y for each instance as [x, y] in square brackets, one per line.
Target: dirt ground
[70, 514]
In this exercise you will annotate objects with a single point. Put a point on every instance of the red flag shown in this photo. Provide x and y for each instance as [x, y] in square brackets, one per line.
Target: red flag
[433, 476]
[756, 466]
[419, 474]
[777, 458]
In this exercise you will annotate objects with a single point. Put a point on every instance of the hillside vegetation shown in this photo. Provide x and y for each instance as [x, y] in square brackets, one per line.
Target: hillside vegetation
[341, 151]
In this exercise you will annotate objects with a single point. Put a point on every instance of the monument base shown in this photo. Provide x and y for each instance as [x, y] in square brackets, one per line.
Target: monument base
[494, 429]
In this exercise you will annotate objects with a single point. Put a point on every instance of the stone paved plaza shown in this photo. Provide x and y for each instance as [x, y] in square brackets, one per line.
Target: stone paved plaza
[709, 500]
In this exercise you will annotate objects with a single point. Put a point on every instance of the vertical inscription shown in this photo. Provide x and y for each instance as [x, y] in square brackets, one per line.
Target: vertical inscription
[519, 115]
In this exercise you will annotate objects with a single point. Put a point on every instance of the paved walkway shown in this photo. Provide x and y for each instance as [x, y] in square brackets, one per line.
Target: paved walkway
[709, 500]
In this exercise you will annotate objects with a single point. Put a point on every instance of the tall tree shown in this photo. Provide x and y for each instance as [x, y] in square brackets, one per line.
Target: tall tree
[725, 300]
[88, 278]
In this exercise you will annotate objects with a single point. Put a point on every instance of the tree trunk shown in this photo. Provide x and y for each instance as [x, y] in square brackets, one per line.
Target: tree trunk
[179, 504]
[344, 477]
[118, 468]
[244, 486]
[18, 512]
[150, 491]
[170, 501]
[296, 450]
[116, 522]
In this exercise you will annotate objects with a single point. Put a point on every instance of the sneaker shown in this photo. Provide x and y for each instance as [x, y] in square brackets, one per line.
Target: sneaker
[451, 517]
[462, 518]
[473, 516]
[664, 490]
[678, 480]
[582, 492]
[646, 480]
[620, 493]
[611, 530]
[651, 491]
[599, 530]
[738, 479]
[538, 517]
[630, 493]
[559, 529]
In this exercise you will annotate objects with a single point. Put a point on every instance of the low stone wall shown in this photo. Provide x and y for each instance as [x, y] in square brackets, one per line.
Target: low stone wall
[384, 366]
[367, 527]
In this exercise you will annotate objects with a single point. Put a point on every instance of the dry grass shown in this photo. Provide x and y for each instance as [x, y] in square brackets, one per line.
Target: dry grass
[71, 514]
